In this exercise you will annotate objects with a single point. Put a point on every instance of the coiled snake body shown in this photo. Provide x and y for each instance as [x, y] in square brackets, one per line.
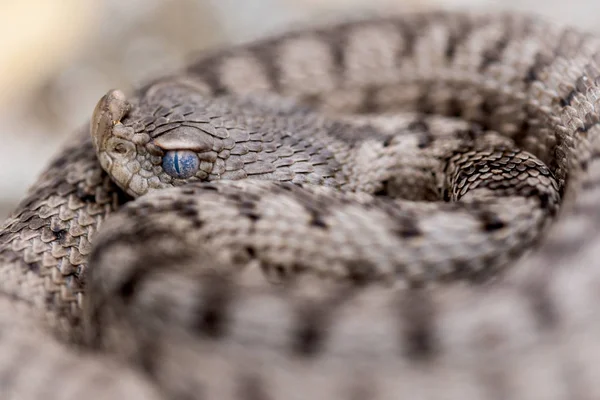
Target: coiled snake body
[400, 207]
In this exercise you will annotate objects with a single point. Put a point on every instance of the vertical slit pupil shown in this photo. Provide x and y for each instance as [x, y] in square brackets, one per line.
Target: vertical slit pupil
[176, 162]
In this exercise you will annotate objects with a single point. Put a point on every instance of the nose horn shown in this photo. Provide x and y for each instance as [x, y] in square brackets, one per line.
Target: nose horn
[108, 112]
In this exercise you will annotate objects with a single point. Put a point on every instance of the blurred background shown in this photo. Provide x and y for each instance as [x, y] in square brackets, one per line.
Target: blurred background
[57, 57]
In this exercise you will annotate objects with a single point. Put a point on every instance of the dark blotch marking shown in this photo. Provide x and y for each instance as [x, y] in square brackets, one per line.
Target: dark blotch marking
[318, 221]
[59, 163]
[122, 197]
[309, 335]
[417, 315]
[388, 140]
[488, 107]
[446, 195]
[461, 270]
[425, 140]
[197, 223]
[419, 126]
[408, 228]
[187, 210]
[210, 187]
[268, 57]
[454, 43]
[384, 189]
[457, 39]
[248, 209]
[470, 134]
[128, 287]
[60, 235]
[287, 186]
[491, 222]
[361, 272]
[34, 267]
[566, 101]
[280, 271]
[455, 108]
[494, 54]
[410, 35]
[316, 217]
[337, 48]
[450, 48]
[425, 137]
[544, 200]
[586, 127]
[541, 60]
[531, 75]
[85, 196]
[251, 252]
[213, 310]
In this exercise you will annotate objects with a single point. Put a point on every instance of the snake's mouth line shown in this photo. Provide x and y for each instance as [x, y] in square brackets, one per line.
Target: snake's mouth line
[128, 183]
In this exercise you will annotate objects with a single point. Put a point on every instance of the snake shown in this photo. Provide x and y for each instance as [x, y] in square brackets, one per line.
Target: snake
[395, 207]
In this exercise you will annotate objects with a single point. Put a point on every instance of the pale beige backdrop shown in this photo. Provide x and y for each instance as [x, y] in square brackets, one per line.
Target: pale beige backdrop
[57, 57]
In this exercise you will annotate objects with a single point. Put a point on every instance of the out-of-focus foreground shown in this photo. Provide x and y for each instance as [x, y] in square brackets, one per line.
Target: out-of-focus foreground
[58, 57]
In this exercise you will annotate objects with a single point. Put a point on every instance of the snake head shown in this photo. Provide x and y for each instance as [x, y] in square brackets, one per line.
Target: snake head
[166, 136]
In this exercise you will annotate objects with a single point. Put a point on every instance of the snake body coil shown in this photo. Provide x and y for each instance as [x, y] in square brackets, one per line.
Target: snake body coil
[402, 207]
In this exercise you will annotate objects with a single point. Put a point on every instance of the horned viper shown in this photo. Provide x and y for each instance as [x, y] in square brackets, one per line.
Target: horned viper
[380, 209]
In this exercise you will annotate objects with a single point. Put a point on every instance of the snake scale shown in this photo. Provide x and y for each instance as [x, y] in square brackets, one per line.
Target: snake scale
[402, 207]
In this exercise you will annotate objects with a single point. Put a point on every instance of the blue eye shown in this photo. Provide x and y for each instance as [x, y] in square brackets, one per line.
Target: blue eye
[180, 163]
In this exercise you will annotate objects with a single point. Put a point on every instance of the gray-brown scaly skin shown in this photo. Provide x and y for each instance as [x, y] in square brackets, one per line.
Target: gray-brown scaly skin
[153, 300]
[487, 180]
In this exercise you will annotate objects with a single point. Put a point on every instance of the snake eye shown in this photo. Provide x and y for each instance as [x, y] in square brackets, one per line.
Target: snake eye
[180, 163]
